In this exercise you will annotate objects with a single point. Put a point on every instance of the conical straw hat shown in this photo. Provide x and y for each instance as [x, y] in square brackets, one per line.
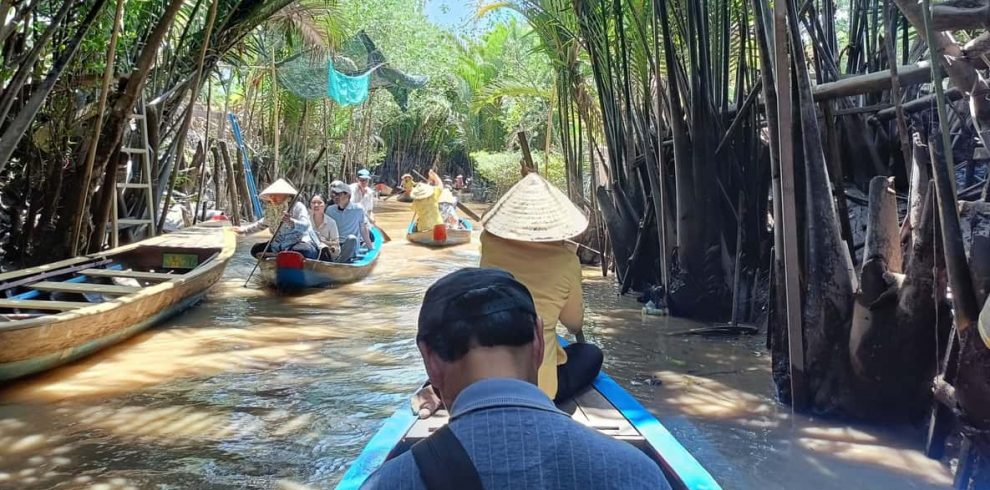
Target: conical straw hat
[280, 186]
[421, 191]
[534, 210]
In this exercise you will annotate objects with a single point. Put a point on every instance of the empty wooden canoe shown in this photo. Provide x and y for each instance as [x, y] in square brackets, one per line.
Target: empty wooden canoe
[286, 275]
[605, 407]
[454, 237]
[60, 312]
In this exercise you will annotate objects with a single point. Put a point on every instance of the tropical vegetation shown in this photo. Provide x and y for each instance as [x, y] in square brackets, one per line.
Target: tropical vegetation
[722, 149]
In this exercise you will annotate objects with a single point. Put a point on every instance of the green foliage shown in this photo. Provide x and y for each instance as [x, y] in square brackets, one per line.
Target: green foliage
[501, 169]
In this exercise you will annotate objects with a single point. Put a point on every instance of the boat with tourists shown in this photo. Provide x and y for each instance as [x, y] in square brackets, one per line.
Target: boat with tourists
[290, 271]
[447, 237]
[56, 313]
[605, 407]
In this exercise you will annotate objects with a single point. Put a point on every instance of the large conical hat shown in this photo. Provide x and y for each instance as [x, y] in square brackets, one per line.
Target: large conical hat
[280, 186]
[534, 210]
[421, 191]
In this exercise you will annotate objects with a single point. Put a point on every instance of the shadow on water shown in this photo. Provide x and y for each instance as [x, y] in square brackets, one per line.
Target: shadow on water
[255, 390]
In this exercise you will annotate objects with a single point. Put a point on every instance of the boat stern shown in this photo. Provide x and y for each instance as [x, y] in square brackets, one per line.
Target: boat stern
[290, 271]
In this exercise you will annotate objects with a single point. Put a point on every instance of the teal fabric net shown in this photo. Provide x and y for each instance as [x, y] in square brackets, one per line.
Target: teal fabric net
[347, 90]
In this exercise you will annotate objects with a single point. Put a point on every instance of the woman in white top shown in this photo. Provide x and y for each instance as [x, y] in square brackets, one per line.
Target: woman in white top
[325, 227]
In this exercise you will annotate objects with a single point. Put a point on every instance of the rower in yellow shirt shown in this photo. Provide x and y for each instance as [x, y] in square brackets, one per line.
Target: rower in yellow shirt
[407, 187]
[426, 203]
[526, 234]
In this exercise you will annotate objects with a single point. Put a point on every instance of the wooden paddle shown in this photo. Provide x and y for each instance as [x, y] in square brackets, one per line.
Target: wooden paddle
[462, 207]
[270, 240]
[385, 236]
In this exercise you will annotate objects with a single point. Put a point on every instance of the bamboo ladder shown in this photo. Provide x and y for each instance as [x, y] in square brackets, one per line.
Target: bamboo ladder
[143, 153]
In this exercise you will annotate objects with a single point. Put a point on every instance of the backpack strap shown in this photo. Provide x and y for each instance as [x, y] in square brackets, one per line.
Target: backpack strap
[444, 464]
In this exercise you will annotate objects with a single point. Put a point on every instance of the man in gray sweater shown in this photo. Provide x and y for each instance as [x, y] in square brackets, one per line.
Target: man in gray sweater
[481, 343]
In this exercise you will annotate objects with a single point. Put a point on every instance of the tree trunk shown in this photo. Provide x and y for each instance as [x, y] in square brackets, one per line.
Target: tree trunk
[232, 189]
[82, 205]
[22, 121]
[830, 284]
[183, 131]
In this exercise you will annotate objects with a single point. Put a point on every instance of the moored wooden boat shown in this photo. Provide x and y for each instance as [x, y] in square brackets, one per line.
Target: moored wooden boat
[605, 407]
[289, 271]
[60, 312]
[454, 237]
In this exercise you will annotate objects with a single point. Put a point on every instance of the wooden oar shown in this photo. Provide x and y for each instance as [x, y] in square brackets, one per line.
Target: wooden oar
[385, 236]
[270, 240]
[462, 207]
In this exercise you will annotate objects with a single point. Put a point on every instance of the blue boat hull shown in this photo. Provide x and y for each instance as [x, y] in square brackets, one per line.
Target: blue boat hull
[317, 273]
[681, 468]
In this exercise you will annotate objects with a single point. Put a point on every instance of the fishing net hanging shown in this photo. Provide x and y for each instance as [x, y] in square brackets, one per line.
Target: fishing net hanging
[305, 78]
[315, 79]
[347, 76]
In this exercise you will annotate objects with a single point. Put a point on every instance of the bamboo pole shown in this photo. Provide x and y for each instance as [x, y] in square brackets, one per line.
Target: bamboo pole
[963, 297]
[228, 166]
[792, 285]
[737, 273]
[966, 309]
[660, 184]
[199, 158]
[276, 122]
[194, 94]
[895, 85]
[873, 82]
[101, 107]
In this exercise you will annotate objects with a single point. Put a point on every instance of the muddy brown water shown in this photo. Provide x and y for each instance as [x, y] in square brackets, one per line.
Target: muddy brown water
[254, 390]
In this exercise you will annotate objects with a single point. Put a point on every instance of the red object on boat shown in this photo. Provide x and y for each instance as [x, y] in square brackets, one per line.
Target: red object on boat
[220, 217]
[289, 260]
[440, 233]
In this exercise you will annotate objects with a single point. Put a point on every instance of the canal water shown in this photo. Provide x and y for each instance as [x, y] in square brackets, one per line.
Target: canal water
[255, 390]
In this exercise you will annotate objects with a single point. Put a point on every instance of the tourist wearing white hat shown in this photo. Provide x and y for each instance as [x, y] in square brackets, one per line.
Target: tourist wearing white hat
[363, 194]
[526, 233]
[296, 232]
[352, 222]
[448, 209]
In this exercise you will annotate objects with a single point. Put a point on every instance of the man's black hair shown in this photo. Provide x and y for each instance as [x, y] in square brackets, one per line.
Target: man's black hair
[476, 307]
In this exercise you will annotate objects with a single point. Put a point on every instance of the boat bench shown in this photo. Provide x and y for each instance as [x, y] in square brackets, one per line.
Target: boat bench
[70, 287]
[30, 304]
[590, 408]
[144, 276]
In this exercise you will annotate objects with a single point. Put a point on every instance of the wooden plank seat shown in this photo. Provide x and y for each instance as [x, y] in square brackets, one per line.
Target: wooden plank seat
[590, 408]
[144, 276]
[600, 414]
[27, 304]
[72, 287]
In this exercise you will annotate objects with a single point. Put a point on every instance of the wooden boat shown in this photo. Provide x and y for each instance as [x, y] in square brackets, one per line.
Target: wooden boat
[454, 237]
[60, 312]
[289, 271]
[605, 407]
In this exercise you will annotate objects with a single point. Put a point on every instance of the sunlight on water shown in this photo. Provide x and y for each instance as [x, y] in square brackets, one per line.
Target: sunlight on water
[255, 390]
